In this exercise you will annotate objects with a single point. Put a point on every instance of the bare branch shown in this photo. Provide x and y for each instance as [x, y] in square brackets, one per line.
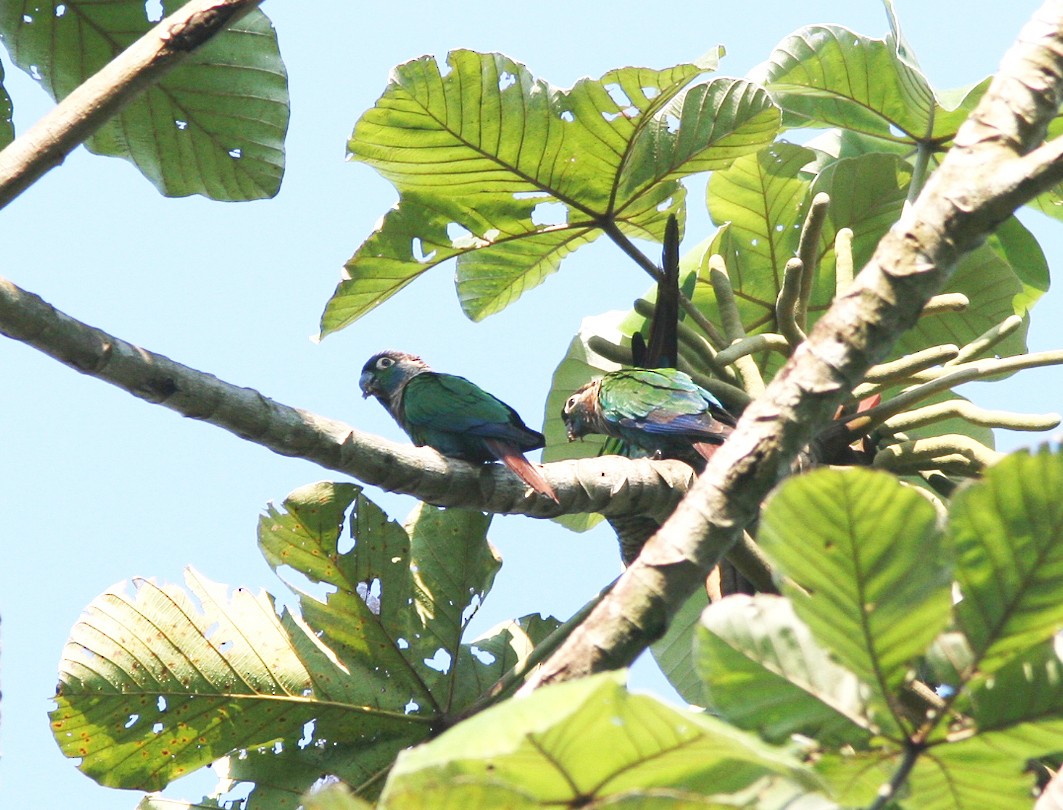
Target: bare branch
[610, 485]
[86, 109]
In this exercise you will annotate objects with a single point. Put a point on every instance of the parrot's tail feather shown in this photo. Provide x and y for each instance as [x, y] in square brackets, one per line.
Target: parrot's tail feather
[705, 449]
[521, 467]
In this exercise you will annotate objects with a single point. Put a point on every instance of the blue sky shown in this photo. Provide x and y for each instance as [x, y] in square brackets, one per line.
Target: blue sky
[96, 486]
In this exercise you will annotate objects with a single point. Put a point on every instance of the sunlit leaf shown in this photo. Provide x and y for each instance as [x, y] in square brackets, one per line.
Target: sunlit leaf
[585, 741]
[1020, 250]
[1022, 702]
[973, 774]
[1007, 533]
[154, 684]
[514, 174]
[214, 125]
[869, 572]
[764, 672]
[828, 75]
[763, 198]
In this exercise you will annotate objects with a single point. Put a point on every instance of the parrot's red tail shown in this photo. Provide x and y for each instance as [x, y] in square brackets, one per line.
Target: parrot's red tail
[521, 467]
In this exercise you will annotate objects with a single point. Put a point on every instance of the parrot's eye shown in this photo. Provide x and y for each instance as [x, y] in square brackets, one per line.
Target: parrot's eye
[570, 404]
[384, 362]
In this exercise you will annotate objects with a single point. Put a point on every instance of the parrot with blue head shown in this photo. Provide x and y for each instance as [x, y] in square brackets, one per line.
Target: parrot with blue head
[452, 415]
[661, 412]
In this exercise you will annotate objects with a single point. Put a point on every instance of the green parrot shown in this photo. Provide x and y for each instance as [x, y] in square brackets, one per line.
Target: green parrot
[659, 411]
[452, 415]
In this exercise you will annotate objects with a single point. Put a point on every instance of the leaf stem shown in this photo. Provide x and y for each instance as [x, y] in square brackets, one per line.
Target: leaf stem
[923, 151]
[888, 791]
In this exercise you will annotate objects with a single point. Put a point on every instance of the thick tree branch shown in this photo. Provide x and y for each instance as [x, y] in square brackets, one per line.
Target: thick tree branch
[979, 184]
[102, 96]
[610, 485]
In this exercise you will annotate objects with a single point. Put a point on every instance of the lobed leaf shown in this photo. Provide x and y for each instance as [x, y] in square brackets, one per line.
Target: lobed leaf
[214, 125]
[975, 774]
[153, 686]
[515, 174]
[868, 571]
[337, 688]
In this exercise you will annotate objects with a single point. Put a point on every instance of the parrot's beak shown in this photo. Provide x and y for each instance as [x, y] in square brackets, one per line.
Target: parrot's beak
[365, 382]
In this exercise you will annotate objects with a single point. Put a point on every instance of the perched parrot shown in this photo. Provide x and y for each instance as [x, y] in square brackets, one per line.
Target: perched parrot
[660, 411]
[452, 415]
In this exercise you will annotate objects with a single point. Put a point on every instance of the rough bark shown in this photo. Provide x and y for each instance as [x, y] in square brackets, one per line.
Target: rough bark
[995, 166]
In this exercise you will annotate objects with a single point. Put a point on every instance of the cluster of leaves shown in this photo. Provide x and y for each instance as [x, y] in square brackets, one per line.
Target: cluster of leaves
[816, 692]
[156, 682]
[508, 175]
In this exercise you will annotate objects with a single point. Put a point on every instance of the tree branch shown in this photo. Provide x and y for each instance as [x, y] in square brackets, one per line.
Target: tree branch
[610, 485]
[979, 184]
[46, 144]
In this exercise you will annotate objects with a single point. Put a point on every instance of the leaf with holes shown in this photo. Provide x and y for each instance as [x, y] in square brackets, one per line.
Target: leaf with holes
[509, 174]
[868, 570]
[214, 125]
[591, 742]
[154, 685]
[1006, 532]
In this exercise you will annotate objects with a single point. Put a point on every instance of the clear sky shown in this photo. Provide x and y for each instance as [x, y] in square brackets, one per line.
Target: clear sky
[96, 486]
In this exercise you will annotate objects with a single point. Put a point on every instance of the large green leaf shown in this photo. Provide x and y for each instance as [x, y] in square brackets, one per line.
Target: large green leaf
[764, 671]
[153, 686]
[509, 174]
[763, 198]
[975, 774]
[214, 125]
[586, 742]
[868, 572]
[828, 75]
[1007, 536]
